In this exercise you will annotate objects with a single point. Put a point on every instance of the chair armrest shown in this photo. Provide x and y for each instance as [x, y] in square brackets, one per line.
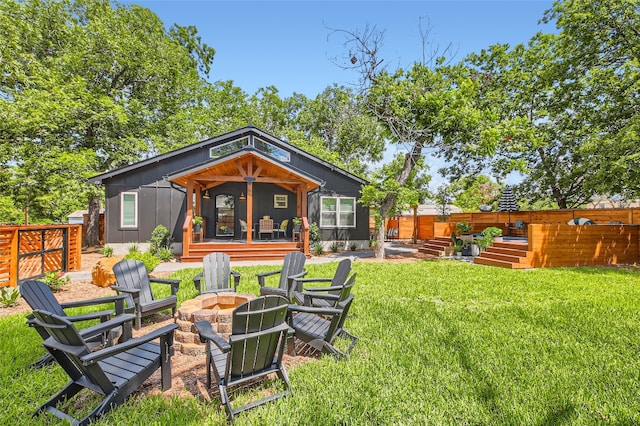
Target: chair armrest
[324, 296]
[175, 284]
[89, 302]
[315, 289]
[313, 280]
[89, 316]
[196, 281]
[134, 292]
[236, 278]
[106, 326]
[261, 276]
[314, 310]
[94, 357]
[205, 330]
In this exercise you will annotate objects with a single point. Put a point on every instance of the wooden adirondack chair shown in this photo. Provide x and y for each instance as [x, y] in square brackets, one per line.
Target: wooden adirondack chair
[39, 296]
[254, 349]
[333, 291]
[132, 280]
[292, 268]
[313, 328]
[216, 274]
[115, 372]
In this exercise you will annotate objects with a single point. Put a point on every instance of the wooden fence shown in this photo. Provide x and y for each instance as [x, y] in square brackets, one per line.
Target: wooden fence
[31, 251]
[428, 226]
[585, 245]
[614, 240]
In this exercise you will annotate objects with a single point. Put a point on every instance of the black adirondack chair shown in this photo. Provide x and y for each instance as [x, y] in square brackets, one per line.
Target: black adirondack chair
[320, 327]
[254, 349]
[332, 292]
[133, 281]
[39, 296]
[326, 297]
[216, 274]
[114, 372]
[292, 268]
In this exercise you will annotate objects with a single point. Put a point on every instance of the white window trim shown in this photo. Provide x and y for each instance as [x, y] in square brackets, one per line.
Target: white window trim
[337, 212]
[135, 214]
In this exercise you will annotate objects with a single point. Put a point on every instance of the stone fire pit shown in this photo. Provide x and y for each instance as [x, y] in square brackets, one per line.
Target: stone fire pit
[215, 308]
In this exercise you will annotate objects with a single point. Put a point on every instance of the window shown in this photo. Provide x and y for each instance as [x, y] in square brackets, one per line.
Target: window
[272, 150]
[129, 210]
[226, 148]
[338, 212]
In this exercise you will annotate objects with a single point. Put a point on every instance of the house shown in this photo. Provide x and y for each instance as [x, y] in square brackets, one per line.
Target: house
[232, 181]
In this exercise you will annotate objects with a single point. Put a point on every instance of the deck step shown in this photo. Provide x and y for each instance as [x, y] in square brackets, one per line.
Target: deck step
[500, 263]
[255, 251]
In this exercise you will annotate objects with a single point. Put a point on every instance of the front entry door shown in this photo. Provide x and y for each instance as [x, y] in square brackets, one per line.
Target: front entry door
[225, 215]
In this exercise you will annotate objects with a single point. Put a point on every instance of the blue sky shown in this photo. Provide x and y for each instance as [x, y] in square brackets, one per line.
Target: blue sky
[290, 45]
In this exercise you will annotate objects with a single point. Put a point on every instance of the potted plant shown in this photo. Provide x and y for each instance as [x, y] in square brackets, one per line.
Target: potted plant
[485, 240]
[197, 223]
[297, 224]
[457, 244]
[464, 228]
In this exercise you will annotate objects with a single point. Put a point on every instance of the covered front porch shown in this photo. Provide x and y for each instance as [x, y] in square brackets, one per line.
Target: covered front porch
[232, 194]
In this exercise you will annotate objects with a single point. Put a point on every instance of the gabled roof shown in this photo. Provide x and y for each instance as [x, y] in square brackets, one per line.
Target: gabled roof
[236, 134]
[240, 164]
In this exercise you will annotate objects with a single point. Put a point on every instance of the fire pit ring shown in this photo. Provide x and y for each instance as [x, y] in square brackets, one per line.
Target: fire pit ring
[217, 308]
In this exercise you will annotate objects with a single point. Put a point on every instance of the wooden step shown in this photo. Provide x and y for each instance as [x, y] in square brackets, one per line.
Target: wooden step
[507, 251]
[255, 251]
[506, 257]
[500, 263]
[431, 251]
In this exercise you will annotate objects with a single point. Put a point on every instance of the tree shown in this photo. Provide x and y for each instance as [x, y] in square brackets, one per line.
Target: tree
[90, 83]
[472, 192]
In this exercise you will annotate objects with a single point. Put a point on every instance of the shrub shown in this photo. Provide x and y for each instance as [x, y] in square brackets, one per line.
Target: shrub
[165, 254]
[353, 247]
[55, 280]
[463, 227]
[9, 296]
[134, 248]
[160, 239]
[334, 247]
[149, 260]
[106, 251]
[314, 234]
[318, 248]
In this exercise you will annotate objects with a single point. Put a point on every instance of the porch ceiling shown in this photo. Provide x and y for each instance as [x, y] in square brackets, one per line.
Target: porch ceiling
[242, 167]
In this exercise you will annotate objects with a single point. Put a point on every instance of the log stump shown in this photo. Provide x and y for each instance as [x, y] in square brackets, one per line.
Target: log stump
[102, 272]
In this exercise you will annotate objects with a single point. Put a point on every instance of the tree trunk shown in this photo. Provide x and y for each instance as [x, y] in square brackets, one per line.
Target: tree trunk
[390, 199]
[93, 225]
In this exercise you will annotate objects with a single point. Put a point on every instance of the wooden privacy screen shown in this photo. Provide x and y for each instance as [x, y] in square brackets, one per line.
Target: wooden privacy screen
[31, 251]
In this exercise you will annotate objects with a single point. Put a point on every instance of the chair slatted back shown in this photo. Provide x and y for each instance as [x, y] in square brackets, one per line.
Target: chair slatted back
[70, 349]
[293, 265]
[132, 274]
[39, 296]
[257, 327]
[341, 275]
[266, 225]
[216, 271]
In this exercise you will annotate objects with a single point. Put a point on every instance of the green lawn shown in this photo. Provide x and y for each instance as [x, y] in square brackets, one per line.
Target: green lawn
[441, 342]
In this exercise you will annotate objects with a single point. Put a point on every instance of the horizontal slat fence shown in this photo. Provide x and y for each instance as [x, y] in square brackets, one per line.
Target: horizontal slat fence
[30, 251]
[567, 245]
[615, 239]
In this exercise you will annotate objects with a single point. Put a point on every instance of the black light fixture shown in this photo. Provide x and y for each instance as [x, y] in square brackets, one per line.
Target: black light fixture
[206, 195]
[242, 196]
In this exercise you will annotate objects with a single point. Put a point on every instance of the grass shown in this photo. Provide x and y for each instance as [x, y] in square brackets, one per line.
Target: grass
[441, 342]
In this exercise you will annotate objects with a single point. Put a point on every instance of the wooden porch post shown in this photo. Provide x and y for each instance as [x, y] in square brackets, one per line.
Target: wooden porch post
[249, 209]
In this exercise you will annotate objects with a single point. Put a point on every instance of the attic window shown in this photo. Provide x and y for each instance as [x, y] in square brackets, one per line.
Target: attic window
[226, 148]
[272, 150]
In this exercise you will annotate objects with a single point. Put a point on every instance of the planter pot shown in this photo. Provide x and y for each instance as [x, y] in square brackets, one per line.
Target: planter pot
[466, 251]
[475, 250]
[197, 228]
[458, 254]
